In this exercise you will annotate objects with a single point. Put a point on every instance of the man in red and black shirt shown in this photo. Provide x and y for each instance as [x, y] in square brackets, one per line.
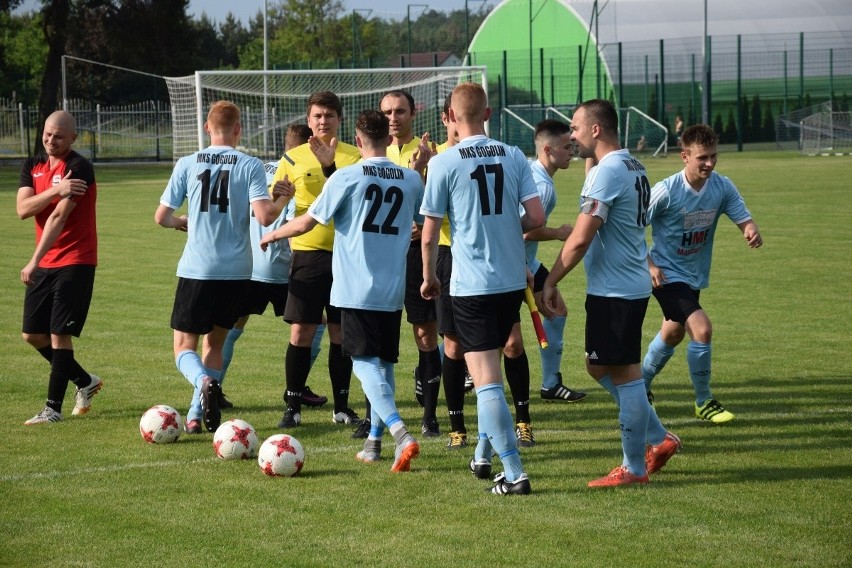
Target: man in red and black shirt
[59, 190]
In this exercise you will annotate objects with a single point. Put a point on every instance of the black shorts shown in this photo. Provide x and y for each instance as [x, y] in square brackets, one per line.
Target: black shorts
[58, 300]
[310, 288]
[614, 330]
[201, 304]
[371, 333]
[259, 295]
[485, 322]
[417, 310]
[678, 301]
[444, 303]
[539, 277]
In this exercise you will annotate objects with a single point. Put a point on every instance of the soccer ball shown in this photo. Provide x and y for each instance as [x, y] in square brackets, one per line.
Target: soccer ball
[235, 439]
[161, 424]
[281, 455]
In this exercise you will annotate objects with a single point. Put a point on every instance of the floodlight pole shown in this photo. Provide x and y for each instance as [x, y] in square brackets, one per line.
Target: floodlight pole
[265, 77]
[354, 28]
[408, 19]
[705, 75]
[467, 27]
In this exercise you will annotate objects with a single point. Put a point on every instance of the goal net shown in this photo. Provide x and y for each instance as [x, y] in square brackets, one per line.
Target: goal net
[270, 101]
[826, 133]
[641, 134]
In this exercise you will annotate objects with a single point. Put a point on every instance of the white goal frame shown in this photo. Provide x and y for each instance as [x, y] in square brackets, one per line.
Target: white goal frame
[278, 99]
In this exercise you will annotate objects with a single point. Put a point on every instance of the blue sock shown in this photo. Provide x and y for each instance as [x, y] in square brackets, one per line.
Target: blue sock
[497, 423]
[698, 359]
[656, 431]
[316, 345]
[376, 387]
[189, 364]
[633, 417]
[659, 353]
[606, 382]
[552, 356]
[228, 349]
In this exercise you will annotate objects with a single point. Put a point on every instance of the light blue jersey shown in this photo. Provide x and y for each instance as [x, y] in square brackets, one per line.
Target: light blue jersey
[547, 194]
[617, 260]
[683, 223]
[479, 183]
[372, 204]
[273, 264]
[220, 184]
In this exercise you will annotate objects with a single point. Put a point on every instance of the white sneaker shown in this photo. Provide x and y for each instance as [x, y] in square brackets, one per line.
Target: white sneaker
[45, 416]
[83, 396]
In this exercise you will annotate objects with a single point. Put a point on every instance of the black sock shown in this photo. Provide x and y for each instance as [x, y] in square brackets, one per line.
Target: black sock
[430, 375]
[297, 365]
[340, 370]
[454, 371]
[47, 353]
[60, 373]
[518, 377]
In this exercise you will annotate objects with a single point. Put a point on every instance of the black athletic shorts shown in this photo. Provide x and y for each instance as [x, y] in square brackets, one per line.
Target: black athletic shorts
[58, 300]
[310, 288]
[370, 333]
[259, 295]
[485, 322]
[614, 330]
[444, 303]
[417, 310]
[201, 304]
[678, 301]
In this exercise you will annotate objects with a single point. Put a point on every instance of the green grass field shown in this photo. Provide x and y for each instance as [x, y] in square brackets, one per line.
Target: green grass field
[771, 488]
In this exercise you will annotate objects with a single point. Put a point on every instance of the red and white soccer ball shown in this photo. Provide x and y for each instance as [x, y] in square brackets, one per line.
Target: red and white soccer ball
[235, 440]
[161, 424]
[281, 455]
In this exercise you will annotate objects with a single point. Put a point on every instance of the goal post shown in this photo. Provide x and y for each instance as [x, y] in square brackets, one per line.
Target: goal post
[826, 133]
[270, 101]
[642, 134]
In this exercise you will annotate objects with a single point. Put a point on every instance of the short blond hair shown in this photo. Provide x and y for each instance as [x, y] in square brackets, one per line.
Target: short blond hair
[469, 102]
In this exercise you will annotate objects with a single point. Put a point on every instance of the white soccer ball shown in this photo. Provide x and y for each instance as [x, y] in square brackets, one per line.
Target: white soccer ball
[235, 440]
[161, 424]
[281, 455]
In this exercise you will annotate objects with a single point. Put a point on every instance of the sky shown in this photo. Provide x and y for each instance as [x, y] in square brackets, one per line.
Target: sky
[245, 10]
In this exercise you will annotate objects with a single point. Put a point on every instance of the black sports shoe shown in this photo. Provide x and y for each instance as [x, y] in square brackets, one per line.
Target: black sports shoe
[291, 419]
[520, 486]
[481, 469]
[418, 387]
[211, 415]
[224, 403]
[363, 429]
[310, 398]
[430, 428]
[562, 393]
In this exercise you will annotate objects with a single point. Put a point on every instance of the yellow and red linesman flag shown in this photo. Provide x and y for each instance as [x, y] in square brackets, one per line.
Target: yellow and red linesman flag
[536, 318]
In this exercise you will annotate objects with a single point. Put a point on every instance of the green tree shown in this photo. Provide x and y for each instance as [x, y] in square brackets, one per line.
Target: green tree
[729, 135]
[757, 134]
[769, 123]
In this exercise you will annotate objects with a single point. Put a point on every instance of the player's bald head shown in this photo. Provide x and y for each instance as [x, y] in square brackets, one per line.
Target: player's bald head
[62, 119]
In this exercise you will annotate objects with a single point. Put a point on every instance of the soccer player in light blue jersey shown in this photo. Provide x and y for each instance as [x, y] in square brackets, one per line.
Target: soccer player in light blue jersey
[609, 236]
[684, 212]
[268, 285]
[478, 184]
[554, 151]
[223, 187]
[372, 205]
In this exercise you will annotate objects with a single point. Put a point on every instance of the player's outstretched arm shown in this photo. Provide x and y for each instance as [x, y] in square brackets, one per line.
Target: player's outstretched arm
[570, 255]
[751, 233]
[293, 228]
